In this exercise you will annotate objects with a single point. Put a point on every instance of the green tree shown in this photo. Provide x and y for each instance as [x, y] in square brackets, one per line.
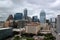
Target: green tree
[17, 38]
[49, 37]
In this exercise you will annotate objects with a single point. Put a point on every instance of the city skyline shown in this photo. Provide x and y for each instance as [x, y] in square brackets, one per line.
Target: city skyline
[29, 19]
[34, 7]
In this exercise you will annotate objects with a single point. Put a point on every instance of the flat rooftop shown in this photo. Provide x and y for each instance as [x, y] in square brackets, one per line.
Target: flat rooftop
[4, 28]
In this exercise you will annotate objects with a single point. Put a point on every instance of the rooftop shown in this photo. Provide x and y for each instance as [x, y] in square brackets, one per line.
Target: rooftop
[4, 28]
[33, 24]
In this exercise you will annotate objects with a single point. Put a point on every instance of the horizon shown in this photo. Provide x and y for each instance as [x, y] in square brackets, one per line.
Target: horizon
[34, 7]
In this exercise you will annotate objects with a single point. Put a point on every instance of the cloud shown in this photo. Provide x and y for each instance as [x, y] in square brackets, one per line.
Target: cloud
[51, 7]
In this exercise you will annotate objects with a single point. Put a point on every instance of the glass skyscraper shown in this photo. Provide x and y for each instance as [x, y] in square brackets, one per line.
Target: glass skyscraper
[25, 13]
[18, 16]
[42, 17]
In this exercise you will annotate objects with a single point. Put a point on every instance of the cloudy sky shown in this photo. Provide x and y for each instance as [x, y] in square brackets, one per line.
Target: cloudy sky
[51, 7]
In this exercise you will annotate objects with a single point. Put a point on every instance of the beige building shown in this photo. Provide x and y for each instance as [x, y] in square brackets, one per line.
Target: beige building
[8, 23]
[45, 28]
[32, 27]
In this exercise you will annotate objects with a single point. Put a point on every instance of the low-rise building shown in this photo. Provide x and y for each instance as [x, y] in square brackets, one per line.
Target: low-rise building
[8, 23]
[45, 28]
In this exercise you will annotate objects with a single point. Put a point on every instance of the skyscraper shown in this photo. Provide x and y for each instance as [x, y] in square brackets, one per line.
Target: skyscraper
[58, 24]
[18, 16]
[9, 21]
[53, 22]
[50, 20]
[25, 13]
[42, 17]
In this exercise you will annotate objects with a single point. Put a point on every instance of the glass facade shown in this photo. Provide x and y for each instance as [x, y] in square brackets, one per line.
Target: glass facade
[18, 16]
[42, 17]
[25, 13]
[35, 19]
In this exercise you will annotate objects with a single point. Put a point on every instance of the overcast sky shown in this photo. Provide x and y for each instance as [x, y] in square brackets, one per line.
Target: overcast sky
[51, 7]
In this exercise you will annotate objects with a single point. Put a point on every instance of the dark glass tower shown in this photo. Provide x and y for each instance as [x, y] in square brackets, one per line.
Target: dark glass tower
[42, 17]
[18, 16]
[35, 19]
[25, 13]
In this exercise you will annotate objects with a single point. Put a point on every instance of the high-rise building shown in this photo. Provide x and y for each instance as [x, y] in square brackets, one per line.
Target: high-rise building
[35, 19]
[58, 24]
[47, 21]
[53, 22]
[18, 16]
[42, 17]
[50, 20]
[25, 13]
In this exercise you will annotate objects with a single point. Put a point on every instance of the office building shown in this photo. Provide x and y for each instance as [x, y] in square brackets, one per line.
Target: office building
[58, 24]
[53, 22]
[42, 17]
[18, 16]
[35, 19]
[47, 21]
[25, 13]
[38, 20]
[19, 19]
[50, 20]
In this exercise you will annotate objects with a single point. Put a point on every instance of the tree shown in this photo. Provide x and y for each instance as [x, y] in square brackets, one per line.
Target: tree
[17, 38]
[49, 37]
